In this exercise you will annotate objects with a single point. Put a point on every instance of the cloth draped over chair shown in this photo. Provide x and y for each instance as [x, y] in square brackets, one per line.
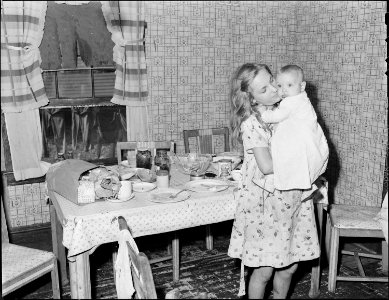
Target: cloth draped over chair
[22, 89]
[123, 274]
[125, 21]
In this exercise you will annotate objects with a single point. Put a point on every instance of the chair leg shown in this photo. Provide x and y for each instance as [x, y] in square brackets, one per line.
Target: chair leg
[333, 258]
[384, 256]
[176, 257]
[314, 291]
[327, 237]
[114, 257]
[208, 237]
[55, 280]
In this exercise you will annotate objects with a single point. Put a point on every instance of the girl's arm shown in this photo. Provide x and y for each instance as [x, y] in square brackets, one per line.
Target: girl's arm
[264, 161]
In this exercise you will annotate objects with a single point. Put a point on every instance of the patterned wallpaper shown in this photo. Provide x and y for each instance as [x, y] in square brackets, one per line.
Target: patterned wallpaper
[192, 47]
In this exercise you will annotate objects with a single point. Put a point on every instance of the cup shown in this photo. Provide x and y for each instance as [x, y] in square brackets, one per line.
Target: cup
[163, 179]
[125, 191]
[236, 175]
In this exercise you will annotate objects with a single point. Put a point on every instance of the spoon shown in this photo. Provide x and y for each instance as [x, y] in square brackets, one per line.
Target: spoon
[176, 194]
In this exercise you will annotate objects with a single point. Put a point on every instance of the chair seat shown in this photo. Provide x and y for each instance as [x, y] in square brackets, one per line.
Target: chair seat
[17, 260]
[354, 217]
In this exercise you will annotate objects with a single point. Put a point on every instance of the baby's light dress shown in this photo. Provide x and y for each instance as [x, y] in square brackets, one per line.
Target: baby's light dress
[281, 232]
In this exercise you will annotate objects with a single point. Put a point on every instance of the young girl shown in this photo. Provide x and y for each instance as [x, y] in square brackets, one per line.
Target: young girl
[277, 233]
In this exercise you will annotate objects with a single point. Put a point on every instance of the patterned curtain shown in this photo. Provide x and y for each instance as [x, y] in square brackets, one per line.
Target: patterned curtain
[125, 21]
[22, 89]
[22, 25]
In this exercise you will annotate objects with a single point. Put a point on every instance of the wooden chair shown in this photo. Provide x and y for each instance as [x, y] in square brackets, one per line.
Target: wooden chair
[320, 206]
[21, 265]
[351, 221]
[173, 248]
[207, 141]
[134, 146]
[142, 275]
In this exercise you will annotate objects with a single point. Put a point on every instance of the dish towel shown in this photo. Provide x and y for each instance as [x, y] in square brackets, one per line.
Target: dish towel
[123, 279]
[25, 143]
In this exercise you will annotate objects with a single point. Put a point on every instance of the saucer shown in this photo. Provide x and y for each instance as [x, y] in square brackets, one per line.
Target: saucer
[115, 200]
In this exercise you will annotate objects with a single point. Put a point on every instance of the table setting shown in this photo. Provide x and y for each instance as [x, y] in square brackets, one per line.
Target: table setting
[202, 173]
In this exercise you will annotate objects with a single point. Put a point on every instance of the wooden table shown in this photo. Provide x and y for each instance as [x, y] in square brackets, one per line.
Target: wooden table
[83, 228]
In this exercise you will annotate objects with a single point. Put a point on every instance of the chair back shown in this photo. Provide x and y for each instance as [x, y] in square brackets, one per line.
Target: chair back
[134, 146]
[207, 141]
[140, 268]
[4, 229]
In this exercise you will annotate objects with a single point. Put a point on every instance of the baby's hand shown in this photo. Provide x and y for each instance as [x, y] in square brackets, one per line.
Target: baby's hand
[266, 116]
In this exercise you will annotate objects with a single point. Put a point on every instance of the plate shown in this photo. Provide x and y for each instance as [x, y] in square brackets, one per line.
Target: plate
[115, 200]
[141, 187]
[161, 195]
[207, 185]
[124, 175]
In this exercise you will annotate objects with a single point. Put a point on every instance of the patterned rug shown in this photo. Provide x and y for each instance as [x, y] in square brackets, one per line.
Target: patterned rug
[210, 271]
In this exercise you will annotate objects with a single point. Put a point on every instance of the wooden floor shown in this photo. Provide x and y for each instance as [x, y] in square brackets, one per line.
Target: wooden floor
[202, 270]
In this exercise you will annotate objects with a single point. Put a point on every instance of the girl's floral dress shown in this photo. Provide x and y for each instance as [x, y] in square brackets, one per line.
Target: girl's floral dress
[270, 229]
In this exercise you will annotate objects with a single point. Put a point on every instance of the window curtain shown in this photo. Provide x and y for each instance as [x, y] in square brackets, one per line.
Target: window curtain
[22, 89]
[125, 21]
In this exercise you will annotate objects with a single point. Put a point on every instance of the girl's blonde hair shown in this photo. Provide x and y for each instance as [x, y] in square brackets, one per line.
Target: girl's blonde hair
[240, 98]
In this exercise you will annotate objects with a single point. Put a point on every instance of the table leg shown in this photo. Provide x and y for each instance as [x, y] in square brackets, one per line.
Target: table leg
[176, 257]
[314, 291]
[208, 237]
[80, 286]
[58, 248]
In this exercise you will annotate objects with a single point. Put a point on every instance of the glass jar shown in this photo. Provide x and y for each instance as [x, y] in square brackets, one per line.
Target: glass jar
[143, 159]
[224, 168]
[161, 161]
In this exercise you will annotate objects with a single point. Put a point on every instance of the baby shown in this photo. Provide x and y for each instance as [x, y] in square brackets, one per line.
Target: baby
[299, 148]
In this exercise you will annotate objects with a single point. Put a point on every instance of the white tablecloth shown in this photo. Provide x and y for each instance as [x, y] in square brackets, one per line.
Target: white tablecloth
[87, 226]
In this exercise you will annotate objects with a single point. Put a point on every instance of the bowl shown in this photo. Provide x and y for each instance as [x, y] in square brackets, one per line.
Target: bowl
[146, 175]
[193, 164]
